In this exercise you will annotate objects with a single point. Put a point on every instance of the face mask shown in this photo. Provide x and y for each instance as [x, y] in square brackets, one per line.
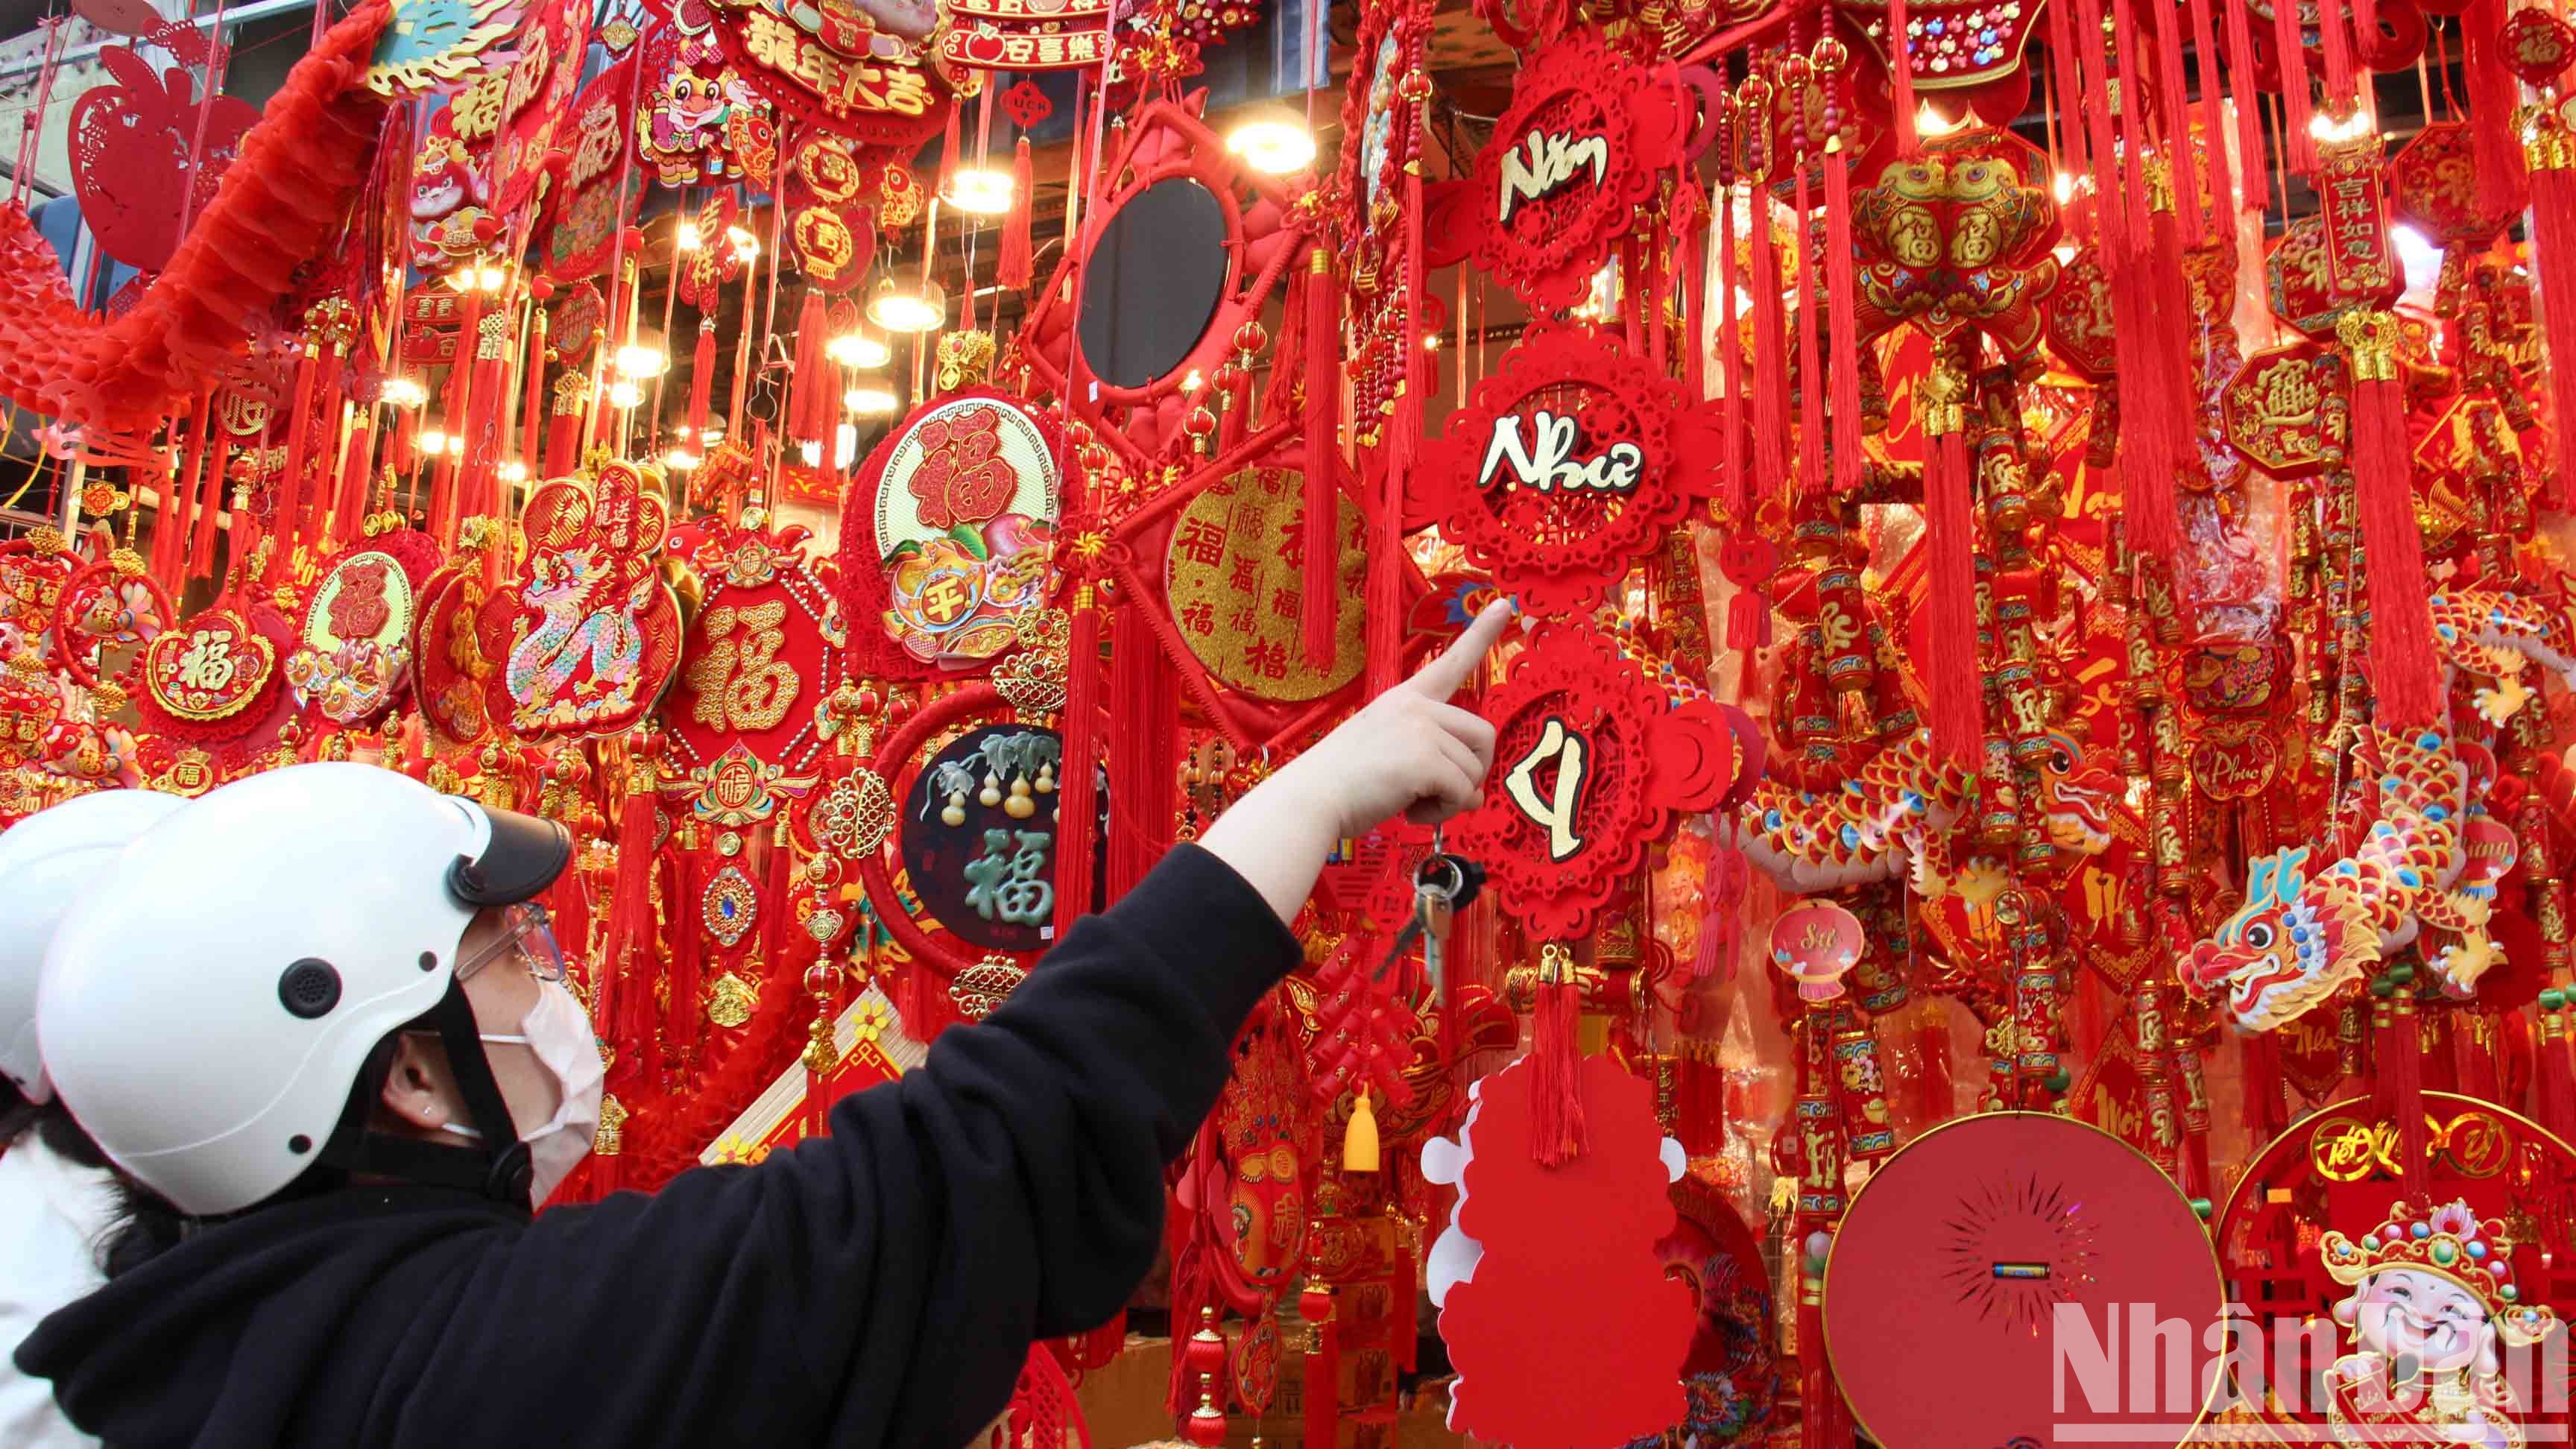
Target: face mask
[557, 1031]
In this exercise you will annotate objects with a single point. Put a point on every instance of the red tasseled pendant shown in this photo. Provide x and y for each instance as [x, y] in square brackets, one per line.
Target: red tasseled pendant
[1951, 676]
[1900, 80]
[563, 433]
[1558, 1133]
[1015, 261]
[2264, 1112]
[2156, 395]
[2292, 56]
[208, 469]
[1388, 561]
[2553, 247]
[682, 1011]
[777, 898]
[2074, 149]
[2110, 202]
[2335, 48]
[1730, 345]
[1839, 285]
[1077, 790]
[2212, 141]
[290, 486]
[1770, 352]
[2405, 1068]
[349, 508]
[2251, 154]
[532, 398]
[2492, 95]
[2554, 1074]
[1323, 1367]
[818, 389]
[1145, 699]
[1813, 383]
[2404, 671]
[2365, 30]
[702, 380]
[2174, 106]
[1319, 611]
[1823, 1422]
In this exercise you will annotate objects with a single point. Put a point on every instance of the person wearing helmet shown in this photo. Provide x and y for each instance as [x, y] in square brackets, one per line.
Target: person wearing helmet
[313, 1013]
[55, 1193]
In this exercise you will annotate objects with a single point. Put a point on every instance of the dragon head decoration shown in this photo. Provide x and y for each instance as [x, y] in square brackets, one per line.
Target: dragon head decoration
[2296, 941]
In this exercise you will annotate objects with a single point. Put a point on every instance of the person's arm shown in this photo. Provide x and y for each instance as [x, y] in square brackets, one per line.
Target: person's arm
[886, 1281]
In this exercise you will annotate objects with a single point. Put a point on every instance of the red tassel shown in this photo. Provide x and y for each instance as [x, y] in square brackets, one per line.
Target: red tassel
[1822, 1416]
[2110, 197]
[1077, 808]
[2554, 1074]
[1319, 610]
[1323, 1367]
[2493, 96]
[1839, 291]
[2553, 247]
[564, 430]
[1812, 381]
[2265, 1113]
[2212, 140]
[2074, 153]
[2295, 111]
[702, 380]
[682, 1011]
[2251, 154]
[211, 495]
[1145, 700]
[2336, 48]
[1951, 675]
[2405, 1069]
[818, 389]
[2174, 101]
[1558, 1133]
[1900, 81]
[2404, 670]
[623, 1011]
[532, 398]
[349, 508]
[290, 487]
[1730, 341]
[1013, 267]
[1389, 563]
[1770, 352]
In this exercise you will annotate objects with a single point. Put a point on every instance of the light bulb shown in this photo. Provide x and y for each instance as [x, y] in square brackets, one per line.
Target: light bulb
[868, 402]
[858, 349]
[625, 394]
[493, 279]
[811, 452]
[1194, 381]
[745, 245]
[456, 445]
[514, 472]
[433, 442]
[404, 392]
[978, 191]
[685, 236]
[635, 360]
[1276, 144]
[679, 460]
[898, 308]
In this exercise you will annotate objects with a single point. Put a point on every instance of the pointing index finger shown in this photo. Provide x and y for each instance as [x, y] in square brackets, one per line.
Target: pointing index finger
[1443, 676]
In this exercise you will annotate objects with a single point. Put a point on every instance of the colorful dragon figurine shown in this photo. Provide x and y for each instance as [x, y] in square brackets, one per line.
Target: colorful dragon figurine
[1900, 811]
[2493, 637]
[2304, 935]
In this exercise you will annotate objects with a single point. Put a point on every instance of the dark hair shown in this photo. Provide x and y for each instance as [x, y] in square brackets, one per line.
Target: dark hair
[146, 1224]
[50, 1121]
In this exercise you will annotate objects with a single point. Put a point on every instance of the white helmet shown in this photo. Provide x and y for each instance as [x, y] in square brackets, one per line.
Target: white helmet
[46, 861]
[211, 1012]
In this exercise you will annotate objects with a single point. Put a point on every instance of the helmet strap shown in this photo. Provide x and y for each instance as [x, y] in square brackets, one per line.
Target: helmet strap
[497, 1166]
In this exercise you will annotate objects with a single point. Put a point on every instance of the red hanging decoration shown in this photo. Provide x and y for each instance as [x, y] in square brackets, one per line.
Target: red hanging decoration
[1948, 639]
[1850, 463]
[1013, 266]
[1558, 1132]
[1320, 607]
[2404, 670]
[1077, 784]
[818, 393]
[1900, 80]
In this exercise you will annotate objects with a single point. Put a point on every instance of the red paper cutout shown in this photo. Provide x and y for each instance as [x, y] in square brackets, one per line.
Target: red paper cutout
[765, 650]
[1567, 1332]
[1569, 463]
[1559, 850]
[585, 639]
[130, 145]
[1586, 140]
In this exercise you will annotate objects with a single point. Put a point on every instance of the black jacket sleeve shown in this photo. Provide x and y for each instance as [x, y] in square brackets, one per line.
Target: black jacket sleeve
[882, 1285]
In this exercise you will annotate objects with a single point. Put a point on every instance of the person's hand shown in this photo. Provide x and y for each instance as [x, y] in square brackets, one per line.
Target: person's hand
[1409, 751]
